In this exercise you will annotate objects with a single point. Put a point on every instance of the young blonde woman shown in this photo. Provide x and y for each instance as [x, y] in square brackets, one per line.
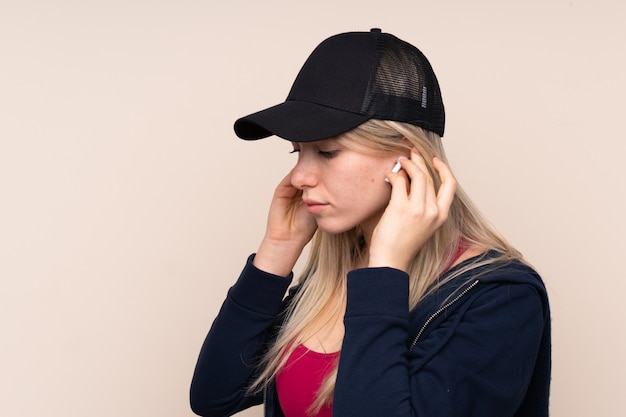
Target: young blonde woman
[410, 304]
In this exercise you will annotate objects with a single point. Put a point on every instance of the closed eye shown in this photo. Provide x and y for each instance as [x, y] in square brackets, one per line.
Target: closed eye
[328, 154]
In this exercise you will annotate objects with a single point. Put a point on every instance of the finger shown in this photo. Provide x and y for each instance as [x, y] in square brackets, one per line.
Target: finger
[420, 162]
[422, 184]
[447, 190]
[399, 185]
[285, 189]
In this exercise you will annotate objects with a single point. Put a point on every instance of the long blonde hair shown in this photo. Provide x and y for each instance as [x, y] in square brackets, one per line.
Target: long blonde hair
[323, 280]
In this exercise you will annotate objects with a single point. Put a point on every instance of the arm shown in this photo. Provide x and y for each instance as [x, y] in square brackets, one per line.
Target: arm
[477, 362]
[238, 336]
[246, 323]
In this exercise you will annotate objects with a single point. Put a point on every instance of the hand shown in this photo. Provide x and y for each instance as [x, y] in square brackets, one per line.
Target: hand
[414, 213]
[289, 228]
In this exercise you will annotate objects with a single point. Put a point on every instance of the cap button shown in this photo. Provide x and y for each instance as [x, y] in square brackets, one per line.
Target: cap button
[376, 30]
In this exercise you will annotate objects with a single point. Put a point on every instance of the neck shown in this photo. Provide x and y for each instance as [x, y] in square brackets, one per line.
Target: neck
[368, 230]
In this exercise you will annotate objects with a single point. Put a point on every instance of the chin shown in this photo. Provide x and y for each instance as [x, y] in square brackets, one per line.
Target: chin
[334, 228]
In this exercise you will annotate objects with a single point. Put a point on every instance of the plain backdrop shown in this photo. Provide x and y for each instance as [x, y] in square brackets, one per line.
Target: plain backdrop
[128, 206]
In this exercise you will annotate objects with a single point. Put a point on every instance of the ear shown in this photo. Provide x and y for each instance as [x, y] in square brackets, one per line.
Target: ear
[407, 144]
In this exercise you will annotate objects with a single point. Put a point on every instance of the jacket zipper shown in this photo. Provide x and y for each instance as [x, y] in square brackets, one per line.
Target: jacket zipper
[441, 310]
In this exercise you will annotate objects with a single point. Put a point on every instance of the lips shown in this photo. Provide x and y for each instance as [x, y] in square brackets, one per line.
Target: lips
[313, 206]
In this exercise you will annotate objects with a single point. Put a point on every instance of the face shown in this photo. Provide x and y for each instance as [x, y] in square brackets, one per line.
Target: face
[342, 187]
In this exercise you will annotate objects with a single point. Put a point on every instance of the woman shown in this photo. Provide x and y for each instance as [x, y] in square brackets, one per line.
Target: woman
[410, 304]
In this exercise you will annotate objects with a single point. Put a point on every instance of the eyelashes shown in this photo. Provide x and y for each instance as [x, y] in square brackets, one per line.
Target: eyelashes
[328, 154]
[325, 154]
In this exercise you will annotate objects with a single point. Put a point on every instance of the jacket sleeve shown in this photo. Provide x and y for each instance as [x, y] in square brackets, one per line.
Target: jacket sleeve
[237, 338]
[477, 362]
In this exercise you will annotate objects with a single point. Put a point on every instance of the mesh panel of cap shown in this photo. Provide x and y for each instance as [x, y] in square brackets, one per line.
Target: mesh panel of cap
[403, 86]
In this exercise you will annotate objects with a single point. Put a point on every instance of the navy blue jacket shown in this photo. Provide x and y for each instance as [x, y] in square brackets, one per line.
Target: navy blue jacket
[477, 347]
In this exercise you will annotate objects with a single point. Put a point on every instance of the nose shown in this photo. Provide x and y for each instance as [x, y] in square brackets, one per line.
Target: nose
[304, 173]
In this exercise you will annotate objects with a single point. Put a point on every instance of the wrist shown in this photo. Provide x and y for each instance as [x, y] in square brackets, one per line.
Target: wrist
[277, 258]
[388, 262]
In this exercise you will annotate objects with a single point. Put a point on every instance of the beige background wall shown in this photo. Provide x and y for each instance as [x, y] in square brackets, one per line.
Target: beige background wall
[128, 206]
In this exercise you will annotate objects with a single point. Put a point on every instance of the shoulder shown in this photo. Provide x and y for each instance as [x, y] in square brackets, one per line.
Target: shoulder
[480, 314]
[504, 279]
[484, 293]
[487, 272]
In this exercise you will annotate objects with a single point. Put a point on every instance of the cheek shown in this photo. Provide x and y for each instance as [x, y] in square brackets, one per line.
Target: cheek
[376, 188]
[367, 179]
[366, 190]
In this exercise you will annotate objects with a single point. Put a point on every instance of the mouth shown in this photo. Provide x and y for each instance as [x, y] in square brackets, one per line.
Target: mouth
[314, 207]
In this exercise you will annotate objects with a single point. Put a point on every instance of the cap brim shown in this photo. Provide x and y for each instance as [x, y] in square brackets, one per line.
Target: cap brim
[297, 121]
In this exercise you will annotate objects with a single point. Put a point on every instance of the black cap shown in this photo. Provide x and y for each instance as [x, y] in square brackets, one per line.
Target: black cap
[348, 79]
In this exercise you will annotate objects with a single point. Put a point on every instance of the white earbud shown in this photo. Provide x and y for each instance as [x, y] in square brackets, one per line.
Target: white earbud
[396, 168]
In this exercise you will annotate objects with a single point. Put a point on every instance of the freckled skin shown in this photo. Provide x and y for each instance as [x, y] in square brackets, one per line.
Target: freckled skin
[351, 184]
